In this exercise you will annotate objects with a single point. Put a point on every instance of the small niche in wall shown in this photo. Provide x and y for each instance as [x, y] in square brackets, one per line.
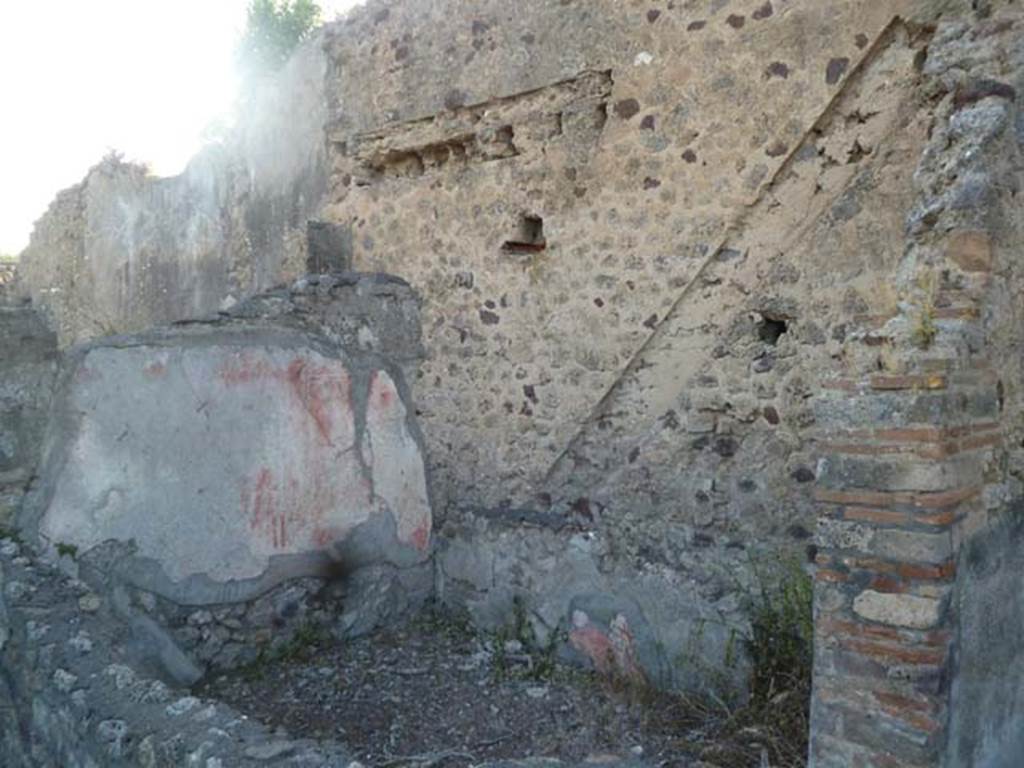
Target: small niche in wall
[529, 236]
[771, 328]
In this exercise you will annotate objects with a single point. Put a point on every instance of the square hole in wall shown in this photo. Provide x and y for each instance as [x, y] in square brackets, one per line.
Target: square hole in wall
[529, 236]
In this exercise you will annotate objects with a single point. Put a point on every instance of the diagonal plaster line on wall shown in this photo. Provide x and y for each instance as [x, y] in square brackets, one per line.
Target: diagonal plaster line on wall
[883, 40]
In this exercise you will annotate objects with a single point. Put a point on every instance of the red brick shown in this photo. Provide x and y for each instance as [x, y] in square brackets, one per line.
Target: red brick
[846, 385]
[938, 519]
[923, 450]
[838, 627]
[956, 313]
[915, 434]
[942, 572]
[919, 703]
[937, 500]
[912, 571]
[987, 426]
[916, 720]
[844, 631]
[899, 654]
[873, 515]
[908, 382]
[887, 584]
[982, 441]
[944, 499]
[860, 498]
[860, 449]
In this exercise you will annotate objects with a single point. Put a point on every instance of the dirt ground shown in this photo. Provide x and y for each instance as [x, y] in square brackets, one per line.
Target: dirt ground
[433, 693]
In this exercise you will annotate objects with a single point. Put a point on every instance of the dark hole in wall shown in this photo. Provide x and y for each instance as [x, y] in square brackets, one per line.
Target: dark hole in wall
[529, 238]
[770, 329]
[329, 247]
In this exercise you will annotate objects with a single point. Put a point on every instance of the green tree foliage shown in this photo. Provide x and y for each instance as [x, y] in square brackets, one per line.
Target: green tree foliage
[273, 30]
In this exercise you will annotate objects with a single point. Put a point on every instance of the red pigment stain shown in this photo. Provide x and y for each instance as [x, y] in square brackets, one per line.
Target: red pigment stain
[155, 370]
[612, 652]
[267, 517]
[325, 536]
[85, 374]
[245, 371]
[382, 394]
[293, 509]
[421, 537]
[264, 502]
[319, 389]
[593, 643]
[625, 648]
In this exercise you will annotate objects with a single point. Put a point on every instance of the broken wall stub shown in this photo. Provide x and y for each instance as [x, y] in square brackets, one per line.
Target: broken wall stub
[273, 442]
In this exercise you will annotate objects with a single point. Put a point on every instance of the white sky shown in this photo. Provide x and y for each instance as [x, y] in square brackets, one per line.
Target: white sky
[81, 77]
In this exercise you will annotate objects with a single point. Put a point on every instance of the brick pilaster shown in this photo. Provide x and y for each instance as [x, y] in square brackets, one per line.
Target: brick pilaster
[901, 474]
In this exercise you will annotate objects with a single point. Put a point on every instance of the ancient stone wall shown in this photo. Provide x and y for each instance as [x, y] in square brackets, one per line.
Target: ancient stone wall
[28, 367]
[697, 279]
[123, 251]
[639, 248]
[74, 694]
[620, 237]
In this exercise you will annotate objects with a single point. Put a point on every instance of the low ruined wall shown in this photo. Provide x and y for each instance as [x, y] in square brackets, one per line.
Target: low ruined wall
[573, 588]
[206, 493]
[28, 366]
[237, 453]
[77, 691]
